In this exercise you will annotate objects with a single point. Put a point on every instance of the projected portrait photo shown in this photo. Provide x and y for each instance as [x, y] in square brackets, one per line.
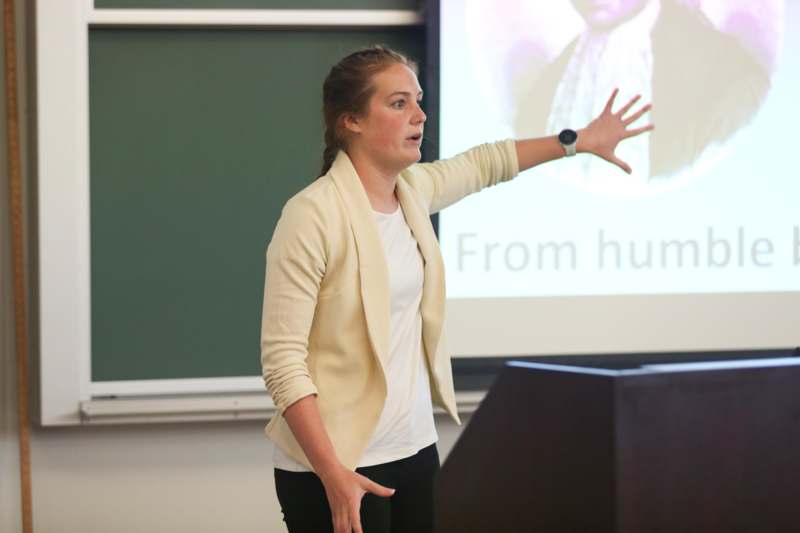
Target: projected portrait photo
[706, 66]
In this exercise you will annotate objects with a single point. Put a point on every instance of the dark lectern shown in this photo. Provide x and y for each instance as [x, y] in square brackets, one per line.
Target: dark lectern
[673, 448]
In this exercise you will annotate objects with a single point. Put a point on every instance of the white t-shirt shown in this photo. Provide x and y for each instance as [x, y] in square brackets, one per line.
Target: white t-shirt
[406, 423]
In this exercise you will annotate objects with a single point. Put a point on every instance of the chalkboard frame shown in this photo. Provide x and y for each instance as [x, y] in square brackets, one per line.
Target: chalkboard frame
[62, 225]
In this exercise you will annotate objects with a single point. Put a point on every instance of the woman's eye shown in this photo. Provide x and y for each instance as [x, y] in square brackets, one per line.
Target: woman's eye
[400, 104]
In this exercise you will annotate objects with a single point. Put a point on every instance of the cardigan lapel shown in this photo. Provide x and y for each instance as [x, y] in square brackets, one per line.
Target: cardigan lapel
[433, 291]
[373, 270]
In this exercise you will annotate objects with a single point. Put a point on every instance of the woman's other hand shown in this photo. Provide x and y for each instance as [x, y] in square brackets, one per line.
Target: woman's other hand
[604, 133]
[344, 489]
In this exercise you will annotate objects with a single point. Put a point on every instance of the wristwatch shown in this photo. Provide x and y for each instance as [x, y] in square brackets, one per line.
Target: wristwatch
[569, 140]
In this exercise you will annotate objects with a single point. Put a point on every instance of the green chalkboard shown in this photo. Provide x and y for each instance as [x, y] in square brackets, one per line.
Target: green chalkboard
[197, 138]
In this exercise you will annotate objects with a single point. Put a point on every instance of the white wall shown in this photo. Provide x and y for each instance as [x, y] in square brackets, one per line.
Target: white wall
[177, 477]
[191, 477]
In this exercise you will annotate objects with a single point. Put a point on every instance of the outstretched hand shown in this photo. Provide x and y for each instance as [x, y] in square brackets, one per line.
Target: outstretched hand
[605, 132]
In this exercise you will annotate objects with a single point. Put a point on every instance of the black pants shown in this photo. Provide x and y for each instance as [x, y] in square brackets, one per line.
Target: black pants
[410, 509]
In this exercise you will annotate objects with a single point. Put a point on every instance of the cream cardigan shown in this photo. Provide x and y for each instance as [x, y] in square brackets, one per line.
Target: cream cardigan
[325, 318]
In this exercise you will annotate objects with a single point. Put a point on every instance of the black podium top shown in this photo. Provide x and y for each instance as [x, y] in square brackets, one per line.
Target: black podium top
[478, 373]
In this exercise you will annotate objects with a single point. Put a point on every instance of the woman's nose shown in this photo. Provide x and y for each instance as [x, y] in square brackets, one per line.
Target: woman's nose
[420, 115]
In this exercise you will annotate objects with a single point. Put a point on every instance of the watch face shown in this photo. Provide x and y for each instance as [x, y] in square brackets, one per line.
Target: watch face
[567, 137]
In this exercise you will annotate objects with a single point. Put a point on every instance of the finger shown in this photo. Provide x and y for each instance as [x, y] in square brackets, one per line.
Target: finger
[638, 131]
[341, 524]
[627, 106]
[633, 118]
[621, 164]
[355, 519]
[379, 490]
[375, 488]
[610, 102]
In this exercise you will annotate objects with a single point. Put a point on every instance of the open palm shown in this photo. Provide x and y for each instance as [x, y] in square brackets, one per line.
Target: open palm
[605, 132]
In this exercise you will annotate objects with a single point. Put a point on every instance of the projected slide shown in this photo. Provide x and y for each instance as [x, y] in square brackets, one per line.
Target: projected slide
[712, 203]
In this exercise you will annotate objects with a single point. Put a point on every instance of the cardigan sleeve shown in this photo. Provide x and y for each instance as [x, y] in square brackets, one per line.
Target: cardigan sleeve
[447, 181]
[296, 258]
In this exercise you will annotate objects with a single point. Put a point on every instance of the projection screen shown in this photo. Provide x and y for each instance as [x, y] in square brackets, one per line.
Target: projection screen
[697, 249]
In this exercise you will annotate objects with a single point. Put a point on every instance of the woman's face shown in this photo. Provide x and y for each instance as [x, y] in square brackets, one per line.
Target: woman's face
[391, 131]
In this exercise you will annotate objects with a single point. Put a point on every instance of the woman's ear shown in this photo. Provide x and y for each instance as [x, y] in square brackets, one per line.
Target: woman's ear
[351, 123]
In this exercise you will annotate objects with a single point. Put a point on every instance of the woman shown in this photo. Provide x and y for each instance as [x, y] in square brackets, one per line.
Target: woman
[354, 301]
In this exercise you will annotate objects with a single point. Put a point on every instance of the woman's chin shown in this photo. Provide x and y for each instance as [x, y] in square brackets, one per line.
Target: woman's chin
[417, 153]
